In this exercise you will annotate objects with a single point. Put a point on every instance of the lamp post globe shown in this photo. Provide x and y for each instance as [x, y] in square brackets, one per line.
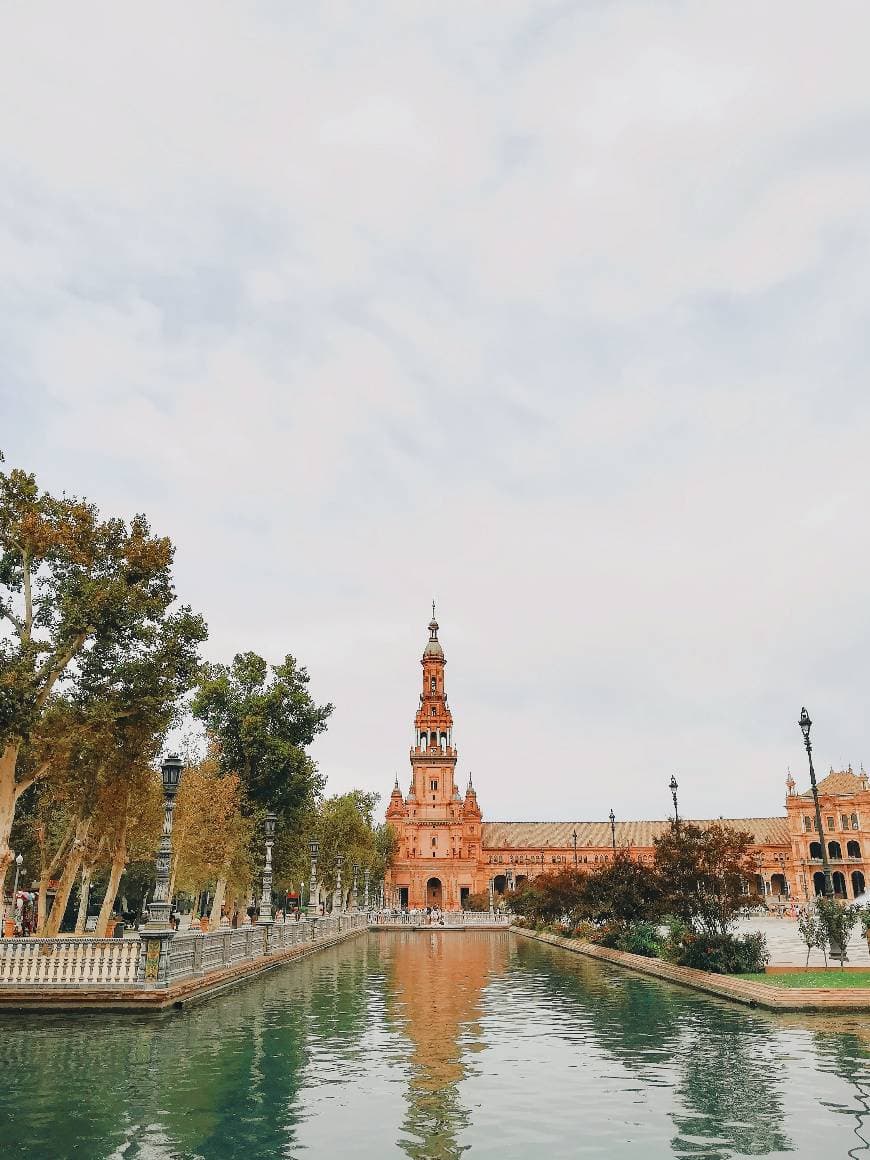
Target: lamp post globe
[170, 772]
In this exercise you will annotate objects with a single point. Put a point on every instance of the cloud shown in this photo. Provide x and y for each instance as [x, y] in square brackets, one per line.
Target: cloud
[558, 316]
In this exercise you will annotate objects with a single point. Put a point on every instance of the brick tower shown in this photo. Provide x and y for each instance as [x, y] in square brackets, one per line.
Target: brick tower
[439, 832]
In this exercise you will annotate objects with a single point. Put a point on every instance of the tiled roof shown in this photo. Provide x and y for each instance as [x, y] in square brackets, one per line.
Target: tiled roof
[559, 835]
[842, 782]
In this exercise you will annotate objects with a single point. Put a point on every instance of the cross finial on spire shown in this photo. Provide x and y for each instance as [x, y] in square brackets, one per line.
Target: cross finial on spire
[433, 609]
[397, 781]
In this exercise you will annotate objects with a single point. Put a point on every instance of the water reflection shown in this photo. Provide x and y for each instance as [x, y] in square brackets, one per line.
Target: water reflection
[436, 981]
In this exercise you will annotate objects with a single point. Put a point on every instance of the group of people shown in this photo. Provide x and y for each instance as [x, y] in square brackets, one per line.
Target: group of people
[23, 913]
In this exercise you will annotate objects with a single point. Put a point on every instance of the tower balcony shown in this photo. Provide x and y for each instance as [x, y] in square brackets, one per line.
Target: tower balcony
[433, 751]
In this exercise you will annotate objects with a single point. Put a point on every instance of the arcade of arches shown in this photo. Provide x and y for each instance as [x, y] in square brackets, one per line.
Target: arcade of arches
[446, 850]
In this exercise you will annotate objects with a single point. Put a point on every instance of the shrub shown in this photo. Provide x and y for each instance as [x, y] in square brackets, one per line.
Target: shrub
[723, 954]
[837, 922]
[641, 938]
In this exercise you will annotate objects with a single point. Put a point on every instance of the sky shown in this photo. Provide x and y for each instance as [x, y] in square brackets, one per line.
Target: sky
[556, 313]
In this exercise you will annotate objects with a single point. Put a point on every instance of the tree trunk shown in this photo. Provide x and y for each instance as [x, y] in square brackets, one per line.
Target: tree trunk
[119, 863]
[8, 762]
[42, 899]
[67, 879]
[81, 918]
[214, 920]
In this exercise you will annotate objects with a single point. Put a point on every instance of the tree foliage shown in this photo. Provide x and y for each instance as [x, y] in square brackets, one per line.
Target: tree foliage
[622, 890]
[90, 640]
[262, 719]
[707, 874]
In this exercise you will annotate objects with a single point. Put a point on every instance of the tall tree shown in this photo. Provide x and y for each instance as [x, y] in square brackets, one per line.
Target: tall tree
[262, 719]
[75, 591]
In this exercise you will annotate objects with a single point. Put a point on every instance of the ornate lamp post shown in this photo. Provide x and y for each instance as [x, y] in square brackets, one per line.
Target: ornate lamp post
[265, 915]
[313, 907]
[491, 897]
[672, 785]
[353, 889]
[805, 724]
[159, 906]
[613, 830]
[574, 836]
[339, 862]
[366, 877]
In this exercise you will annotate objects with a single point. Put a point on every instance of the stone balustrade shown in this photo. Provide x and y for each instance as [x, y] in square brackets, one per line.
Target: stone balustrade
[68, 962]
[158, 959]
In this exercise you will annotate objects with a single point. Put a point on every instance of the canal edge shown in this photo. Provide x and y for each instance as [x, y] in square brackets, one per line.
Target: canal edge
[811, 1000]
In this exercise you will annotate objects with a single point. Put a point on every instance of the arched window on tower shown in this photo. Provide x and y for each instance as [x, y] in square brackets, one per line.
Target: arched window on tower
[443, 742]
[433, 685]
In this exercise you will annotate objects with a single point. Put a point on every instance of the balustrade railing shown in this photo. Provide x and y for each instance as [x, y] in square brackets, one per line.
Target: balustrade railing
[77, 961]
[68, 961]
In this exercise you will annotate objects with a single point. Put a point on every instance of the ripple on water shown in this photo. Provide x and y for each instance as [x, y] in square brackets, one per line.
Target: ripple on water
[434, 1046]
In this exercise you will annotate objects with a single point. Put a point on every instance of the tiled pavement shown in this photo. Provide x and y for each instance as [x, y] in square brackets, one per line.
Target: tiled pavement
[787, 948]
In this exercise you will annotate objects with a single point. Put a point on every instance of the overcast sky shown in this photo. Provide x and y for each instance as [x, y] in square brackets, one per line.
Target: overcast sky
[557, 313]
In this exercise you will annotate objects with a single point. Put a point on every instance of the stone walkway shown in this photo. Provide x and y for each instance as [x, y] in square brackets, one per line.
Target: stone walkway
[788, 949]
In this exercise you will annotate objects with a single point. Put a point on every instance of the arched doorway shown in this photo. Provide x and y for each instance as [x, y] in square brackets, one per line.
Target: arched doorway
[434, 893]
[777, 884]
[858, 883]
[819, 882]
[839, 884]
[499, 884]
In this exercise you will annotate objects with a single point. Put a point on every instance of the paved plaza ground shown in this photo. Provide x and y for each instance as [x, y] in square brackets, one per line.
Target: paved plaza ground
[787, 948]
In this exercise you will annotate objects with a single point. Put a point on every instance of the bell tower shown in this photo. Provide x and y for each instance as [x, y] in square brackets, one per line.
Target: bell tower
[438, 831]
[433, 758]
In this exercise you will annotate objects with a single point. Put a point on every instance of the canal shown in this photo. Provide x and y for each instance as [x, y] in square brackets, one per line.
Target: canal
[430, 1046]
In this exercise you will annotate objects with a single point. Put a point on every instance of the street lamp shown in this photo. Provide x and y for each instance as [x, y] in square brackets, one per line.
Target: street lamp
[574, 836]
[265, 914]
[354, 888]
[313, 908]
[159, 907]
[805, 725]
[366, 881]
[339, 862]
[672, 784]
[613, 830]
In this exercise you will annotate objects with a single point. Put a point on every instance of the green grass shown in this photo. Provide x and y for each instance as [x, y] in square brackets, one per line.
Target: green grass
[835, 978]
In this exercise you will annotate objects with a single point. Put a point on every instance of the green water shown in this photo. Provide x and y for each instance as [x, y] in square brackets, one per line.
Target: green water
[433, 1045]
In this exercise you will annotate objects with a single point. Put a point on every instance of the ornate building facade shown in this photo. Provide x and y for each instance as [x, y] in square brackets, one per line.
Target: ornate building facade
[446, 850]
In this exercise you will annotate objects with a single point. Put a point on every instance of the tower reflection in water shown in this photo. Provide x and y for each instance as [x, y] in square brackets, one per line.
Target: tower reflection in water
[435, 984]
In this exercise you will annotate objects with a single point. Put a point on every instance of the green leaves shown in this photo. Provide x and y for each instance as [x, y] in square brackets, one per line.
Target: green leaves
[263, 719]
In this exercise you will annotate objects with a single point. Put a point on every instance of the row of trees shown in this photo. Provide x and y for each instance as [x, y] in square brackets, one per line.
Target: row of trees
[700, 879]
[701, 875]
[98, 662]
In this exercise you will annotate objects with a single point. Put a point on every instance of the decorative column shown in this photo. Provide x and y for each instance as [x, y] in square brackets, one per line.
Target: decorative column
[313, 907]
[265, 915]
[157, 933]
[339, 862]
[366, 889]
[353, 889]
[491, 897]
